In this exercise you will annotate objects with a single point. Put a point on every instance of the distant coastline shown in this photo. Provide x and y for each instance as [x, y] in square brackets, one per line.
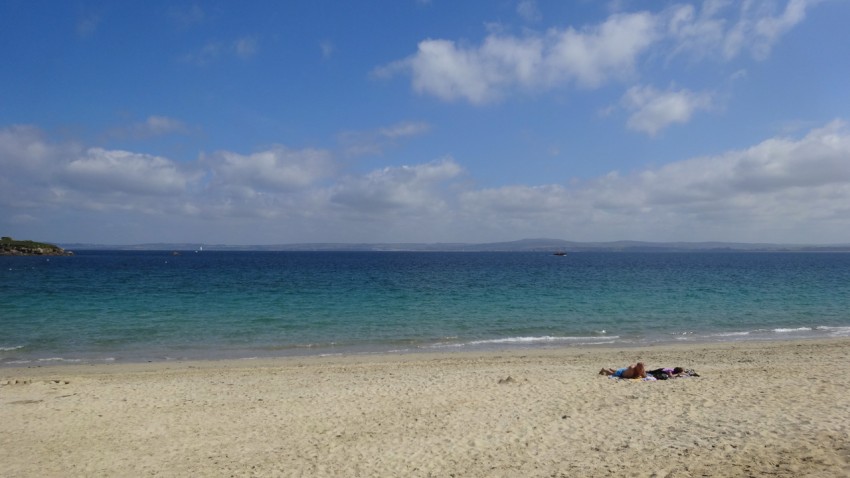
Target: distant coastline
[12, 247]
[524, 245]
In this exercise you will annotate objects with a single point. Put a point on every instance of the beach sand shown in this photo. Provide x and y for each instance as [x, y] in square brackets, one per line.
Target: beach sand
[758, 409]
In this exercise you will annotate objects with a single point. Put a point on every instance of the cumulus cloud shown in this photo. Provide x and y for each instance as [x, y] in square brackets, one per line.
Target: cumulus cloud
[408, 189]
[25, 152]
[778, 190]
[42, 176]
[590, 58]
[593, 55]
[597, 54]
[652, 110]
[276, 169]
[100, 170]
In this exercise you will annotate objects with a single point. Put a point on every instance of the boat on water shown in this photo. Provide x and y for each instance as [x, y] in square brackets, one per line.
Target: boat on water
[559, 253]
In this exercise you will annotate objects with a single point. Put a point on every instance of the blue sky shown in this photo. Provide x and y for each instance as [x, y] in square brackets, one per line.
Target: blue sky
[425, 121]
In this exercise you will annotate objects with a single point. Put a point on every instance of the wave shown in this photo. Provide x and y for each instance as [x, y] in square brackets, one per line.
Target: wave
[9, 349]
[57, 360]
[546, 339]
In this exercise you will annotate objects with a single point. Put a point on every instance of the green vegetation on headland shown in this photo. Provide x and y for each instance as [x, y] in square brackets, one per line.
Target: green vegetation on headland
[11, 247]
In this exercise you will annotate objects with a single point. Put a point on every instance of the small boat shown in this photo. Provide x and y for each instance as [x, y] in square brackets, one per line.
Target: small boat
[559, 253]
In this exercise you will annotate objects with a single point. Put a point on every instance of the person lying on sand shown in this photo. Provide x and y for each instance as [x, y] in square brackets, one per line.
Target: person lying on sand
[632, 371]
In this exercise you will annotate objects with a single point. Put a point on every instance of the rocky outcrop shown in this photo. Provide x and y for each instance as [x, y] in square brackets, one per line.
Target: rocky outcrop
[11, 247]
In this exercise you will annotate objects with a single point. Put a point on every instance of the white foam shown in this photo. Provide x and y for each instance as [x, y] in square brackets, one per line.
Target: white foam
[798, 329]
[9, 349]
[730, 334]
[835, 331]
[537, 340]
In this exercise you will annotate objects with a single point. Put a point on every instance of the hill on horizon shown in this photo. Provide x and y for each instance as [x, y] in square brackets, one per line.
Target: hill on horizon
[522, 245]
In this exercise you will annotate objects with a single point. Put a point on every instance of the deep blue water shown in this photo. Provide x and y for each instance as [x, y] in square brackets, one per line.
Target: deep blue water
[134, 306]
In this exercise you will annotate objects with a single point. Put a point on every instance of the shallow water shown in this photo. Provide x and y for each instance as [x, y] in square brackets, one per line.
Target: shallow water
[133, 306]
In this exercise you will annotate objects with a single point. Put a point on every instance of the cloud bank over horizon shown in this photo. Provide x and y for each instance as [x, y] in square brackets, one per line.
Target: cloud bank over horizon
[778, 188]
[597, 121]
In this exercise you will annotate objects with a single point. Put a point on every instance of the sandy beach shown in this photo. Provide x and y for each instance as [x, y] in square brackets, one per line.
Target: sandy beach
[758, 409]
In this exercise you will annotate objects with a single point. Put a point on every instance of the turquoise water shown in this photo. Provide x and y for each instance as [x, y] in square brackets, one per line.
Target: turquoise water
[136, 306]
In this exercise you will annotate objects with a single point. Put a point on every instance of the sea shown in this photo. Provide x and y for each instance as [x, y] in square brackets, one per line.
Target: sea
[149, 306]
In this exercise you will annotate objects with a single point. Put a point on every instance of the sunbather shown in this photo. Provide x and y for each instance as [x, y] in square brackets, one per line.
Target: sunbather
[632, 371]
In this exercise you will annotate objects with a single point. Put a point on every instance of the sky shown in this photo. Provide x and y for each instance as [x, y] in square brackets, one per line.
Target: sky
[267, 122]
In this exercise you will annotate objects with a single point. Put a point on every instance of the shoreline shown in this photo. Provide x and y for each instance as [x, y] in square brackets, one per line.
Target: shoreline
[566, 353]
[487, 346]
[758, 408]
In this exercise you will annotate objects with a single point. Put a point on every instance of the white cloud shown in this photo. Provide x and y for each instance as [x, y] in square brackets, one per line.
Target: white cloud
[598, 54]
[590, 57]
[653, 110]
[528, 10]
[25, 152]
[593, 55]
[245, 47]
[100, 170]
[242, 48]
[359, 143]
[406, 189]
[159, 125]
[277, 169]
[405, 129]
[727, 29]
[768, 29]
[151, 127]
[442, 69]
